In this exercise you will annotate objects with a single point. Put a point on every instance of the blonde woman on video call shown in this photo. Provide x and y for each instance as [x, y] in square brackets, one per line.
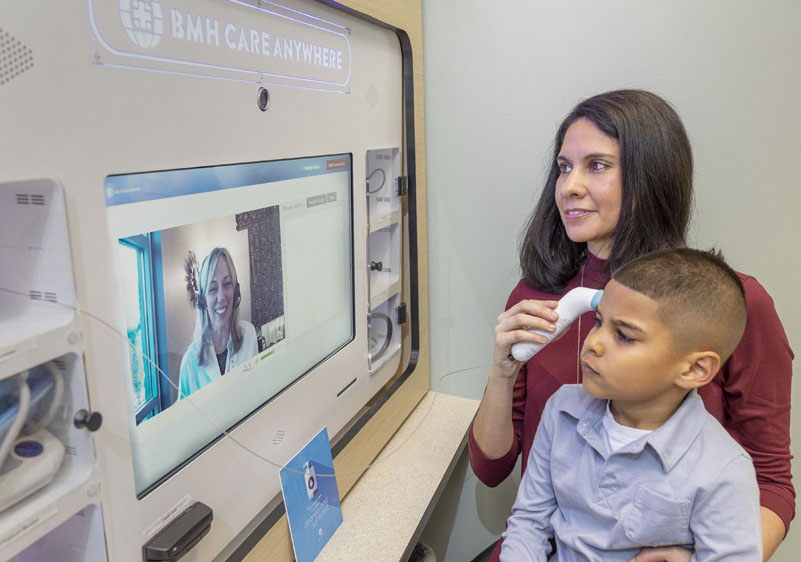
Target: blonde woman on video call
[221, 340]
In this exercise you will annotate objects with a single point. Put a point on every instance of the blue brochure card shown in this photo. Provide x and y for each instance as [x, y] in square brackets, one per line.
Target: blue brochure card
[311, 497]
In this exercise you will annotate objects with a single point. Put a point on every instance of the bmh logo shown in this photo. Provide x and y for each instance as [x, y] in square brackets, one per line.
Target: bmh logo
[143, 21]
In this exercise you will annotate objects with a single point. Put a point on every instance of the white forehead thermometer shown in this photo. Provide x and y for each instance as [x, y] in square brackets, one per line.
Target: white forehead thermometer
[575, 303]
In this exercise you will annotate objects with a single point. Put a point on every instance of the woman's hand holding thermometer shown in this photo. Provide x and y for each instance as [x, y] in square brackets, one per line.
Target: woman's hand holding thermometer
[575, 303]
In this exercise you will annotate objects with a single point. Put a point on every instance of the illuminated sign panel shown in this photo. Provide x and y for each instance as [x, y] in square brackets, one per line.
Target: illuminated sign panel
[262, 42]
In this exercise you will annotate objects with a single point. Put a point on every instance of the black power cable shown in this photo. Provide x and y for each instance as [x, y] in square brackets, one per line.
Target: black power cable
[383, 181]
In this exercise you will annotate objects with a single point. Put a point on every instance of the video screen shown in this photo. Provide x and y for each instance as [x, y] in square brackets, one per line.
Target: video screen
[234, 281]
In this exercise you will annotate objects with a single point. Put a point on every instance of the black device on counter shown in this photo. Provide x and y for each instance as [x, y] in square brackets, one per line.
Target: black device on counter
[177, 538]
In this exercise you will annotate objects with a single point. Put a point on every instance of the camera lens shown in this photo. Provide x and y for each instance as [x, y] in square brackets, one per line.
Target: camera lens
[264, 99]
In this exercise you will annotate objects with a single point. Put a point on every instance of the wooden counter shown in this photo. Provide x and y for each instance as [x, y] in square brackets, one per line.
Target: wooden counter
[386, 511]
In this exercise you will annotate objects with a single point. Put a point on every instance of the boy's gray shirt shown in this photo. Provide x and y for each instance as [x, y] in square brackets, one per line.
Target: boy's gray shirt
[686, 483]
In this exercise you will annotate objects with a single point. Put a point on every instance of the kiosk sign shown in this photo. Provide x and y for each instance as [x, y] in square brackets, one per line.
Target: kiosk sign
[256, 42]
[311, 497]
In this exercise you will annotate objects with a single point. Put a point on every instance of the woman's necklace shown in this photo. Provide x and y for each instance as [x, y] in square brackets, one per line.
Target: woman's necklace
[578, 345]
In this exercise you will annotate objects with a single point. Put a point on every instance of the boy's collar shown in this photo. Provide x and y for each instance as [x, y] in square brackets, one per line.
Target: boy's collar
[674, 437]
[670, 441]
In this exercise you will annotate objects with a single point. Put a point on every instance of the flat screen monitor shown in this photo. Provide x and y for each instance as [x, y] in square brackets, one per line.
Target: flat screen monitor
[234, 281]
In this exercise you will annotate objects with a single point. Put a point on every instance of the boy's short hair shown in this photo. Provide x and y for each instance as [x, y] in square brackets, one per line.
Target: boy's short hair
[701, 299]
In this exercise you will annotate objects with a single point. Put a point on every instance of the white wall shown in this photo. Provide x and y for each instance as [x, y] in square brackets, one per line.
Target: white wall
[500, 77]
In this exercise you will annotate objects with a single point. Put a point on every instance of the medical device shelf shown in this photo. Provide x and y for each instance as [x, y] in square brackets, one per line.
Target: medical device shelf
[384, 330]
[37, 290]
[27, 341]
[23, 524]
[39, 325]
[384, 220]
[74, 486]
[382, 290]
[80, 537]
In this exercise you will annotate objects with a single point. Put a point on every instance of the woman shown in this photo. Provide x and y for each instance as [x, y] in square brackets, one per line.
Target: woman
[221, 341]
[620, 186]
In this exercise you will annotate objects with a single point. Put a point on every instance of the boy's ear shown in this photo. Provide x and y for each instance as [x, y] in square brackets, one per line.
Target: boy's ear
[701, 367]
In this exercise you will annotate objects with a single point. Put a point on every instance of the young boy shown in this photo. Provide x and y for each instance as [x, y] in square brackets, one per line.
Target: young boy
[631, 458]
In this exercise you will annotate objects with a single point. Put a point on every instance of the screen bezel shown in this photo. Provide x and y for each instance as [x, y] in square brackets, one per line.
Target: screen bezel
[351, 337]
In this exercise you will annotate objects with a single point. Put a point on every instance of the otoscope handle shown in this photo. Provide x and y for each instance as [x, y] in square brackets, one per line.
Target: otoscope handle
[575, 303]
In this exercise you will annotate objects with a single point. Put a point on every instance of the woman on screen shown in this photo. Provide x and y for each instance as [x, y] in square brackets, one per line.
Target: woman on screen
[221, 341]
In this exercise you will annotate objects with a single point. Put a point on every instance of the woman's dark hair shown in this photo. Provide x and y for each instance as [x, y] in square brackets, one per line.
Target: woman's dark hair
[657, 167]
